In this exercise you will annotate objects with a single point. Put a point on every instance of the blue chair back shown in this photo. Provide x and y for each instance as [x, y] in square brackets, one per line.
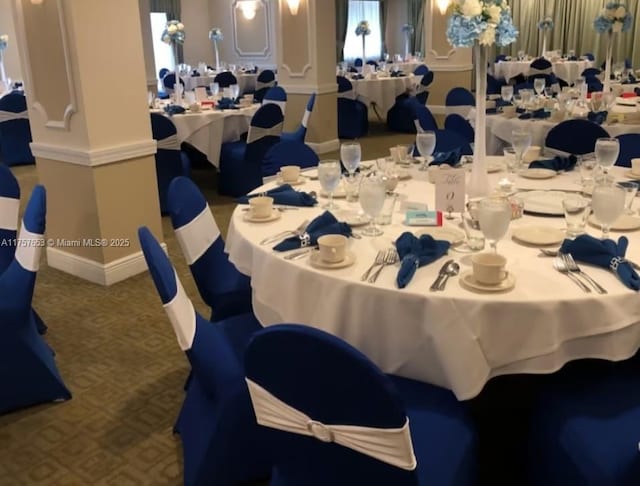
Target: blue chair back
[593, 72]
[276, 95]
[266, 79]
[225, 79]
[371, 62]
[9, 208]
[268, 117]
[15, 132]
[163, 72]
[629, 148]
[169, 82]
[460, 125]
[423, 118]
[266, 76]
[300, 134]
[501, 57]
[421, 70]
[288, 152]
[344, 85]
[460, 97]
[577, 137]
[494, 85]
[593, 84]
[541, 64]
[357, 62]
[334, 384]
[448, 140]
[589, 56]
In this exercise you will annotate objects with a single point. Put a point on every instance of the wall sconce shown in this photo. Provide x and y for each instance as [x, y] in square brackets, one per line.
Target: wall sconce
[293, 6]
[442, 5]
[248, 8]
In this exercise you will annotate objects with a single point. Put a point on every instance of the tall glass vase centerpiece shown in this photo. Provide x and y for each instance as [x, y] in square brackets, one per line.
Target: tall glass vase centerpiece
[363, 30]
[215, 36]
[174, 34]
[4, 43]
[407, 31]
[545, 25]
[613, 19]
[480, 24]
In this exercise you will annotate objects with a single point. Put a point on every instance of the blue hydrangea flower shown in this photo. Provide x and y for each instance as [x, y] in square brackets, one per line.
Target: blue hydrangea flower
[215, 34]
[464, 31]
[363, 28]
[4, 41]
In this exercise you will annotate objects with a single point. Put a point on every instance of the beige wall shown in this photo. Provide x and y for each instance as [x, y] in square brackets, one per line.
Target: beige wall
[396, 17]
[11, 58]
[196, 18]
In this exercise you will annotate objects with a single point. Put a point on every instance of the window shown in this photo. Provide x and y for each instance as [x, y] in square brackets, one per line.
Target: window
[162, 53]
[359, 10]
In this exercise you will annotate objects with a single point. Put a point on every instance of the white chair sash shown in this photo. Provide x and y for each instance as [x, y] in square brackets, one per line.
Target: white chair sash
[305, 118]
[391, 446]
[28, 249]
[197, 235]
[10, 115]
[9, 208]
[533, 71]
[256, 133]
[169, 143]
[260, 84]
[182, 316]
[350, 95]
[281, 104]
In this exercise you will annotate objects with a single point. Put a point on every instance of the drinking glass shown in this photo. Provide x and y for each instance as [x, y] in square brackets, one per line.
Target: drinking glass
[426, 142]
[608, 99]
[521, 141]
[351, 153]
[576, 211]
[630, 191]
[372, 195]
[506, 92]
[607, 150]
[618, 68]
[526, 95]
[511, 159]
[538, 85]
[474, 236]
[494, 216]
[588, 171]
[329, 173]
[608, 204]
[215, 89]
[520, 55]
[235, 91]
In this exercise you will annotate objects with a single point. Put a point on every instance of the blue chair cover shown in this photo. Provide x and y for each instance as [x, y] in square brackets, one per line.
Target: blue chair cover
[170, 161]
[423, 119]
[461, 126]
[371, 62]
[593, 84]
[169, 82]
[353, 115]
[501, 57]
[421, 70]
[577, 137]
[225, 79]
[591, 72]
[15, 132]
[163, 72]
[540, 64]
[221, 442]
[629, 148]
[221, 285]
[494, 85]
[28, 373]
[301, 132]
[589, 56]
[241, 162]
[288, 153]
[276, 95]
[460, 97]
[334, 384]
[258, 95]
[422, 94]
[357, 62]
[266, 76]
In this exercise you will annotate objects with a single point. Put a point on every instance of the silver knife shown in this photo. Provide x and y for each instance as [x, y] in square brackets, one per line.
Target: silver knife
[441, 275]
[300, 253]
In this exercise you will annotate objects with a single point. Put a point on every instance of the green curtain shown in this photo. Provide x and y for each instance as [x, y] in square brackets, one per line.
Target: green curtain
[172, 9]
[384, 10]
[342, 17]
[416, 18]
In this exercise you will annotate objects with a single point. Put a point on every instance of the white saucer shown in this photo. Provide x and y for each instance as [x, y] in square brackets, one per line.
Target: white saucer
[631, 174]
[453, 236]
[544, 202]
[275, 214]
[538, 173]
[626, 222]
[315, 261]
[538, 235]
[301, 180]
[468, 282]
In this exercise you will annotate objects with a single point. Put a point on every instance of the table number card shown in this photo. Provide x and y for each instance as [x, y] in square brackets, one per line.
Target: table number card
[201, 93]
[450, 190]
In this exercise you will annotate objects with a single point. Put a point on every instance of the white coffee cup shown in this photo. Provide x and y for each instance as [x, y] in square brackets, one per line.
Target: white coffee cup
[489, 268]
[194, 107]
[532, 153]
[261, 206]
[332, 248]
[290, 173]
[635, 166]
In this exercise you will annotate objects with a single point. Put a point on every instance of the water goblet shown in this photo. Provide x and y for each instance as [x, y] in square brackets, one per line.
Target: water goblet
[426, 143]
[630, 191]
[521, 141]
[538, 85]
[597, 100]
[608, 99]
[329, 174]
[511, 159]
[607, 202]
[351, 153]
[215, 89]
[607, 150]
[494, 216]
[618, 68]
[506, 93]
[372, 195]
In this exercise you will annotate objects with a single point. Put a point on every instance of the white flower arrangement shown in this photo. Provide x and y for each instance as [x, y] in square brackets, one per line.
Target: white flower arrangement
[613, 18]
[173, 32]
[546, 23]
[363, 28]
[407, 29]
[4, 41]
[486, 21]
[215, 34]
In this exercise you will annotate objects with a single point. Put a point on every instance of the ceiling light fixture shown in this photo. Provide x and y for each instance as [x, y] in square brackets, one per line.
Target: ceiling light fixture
[248, 8]
[293, 6]
[443, 5]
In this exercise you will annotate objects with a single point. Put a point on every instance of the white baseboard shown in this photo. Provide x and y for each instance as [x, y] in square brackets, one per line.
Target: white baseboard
[99, 273]
[324, 147]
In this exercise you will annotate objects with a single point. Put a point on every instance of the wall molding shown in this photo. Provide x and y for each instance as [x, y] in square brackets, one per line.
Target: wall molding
[310, 30]
[100, 273]
[324, 147]
[451, 67]
[266, 51]
[95, 157]
[320, 89]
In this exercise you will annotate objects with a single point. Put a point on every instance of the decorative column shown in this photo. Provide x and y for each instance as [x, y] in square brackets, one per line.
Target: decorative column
[85, 84]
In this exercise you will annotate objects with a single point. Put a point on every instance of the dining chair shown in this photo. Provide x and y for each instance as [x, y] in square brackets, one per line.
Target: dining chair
[459, 100]
[170, 160]
[225, 79]
[423, 119]
[494, 85]
[288, 152]
[169, 81]
[421, 70]
[241, 162]
[276, 95]
[333, 417]
[461, 126]
[594, 72]
[28, 373]
[266, 79]
[422, 93]
[300, 134]
[220, 284]
[15, 131]
[540, 66]
[576, 137]
[358, 62]
[221, 441]
[353, 115]
[400, 117]
[629, 148]
[521, 86]
[589, 56]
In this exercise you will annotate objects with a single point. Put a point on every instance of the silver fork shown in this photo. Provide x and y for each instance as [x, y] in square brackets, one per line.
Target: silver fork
[390, 257]
[299, 230]
[573, 267]
[560, 266]
[378, 261]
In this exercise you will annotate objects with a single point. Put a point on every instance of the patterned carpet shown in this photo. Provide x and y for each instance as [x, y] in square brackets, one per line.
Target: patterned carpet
[118, 355]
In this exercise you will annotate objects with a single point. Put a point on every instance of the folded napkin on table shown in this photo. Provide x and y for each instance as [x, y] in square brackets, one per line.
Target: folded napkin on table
[174, 110]
[557, 163]
[417, 252]
[631, 79]
[501, 102]
[572, 58]
[352, 69]
[598, 117]
[605, 254]
[284, 195]
[520, 110]
[226, 104]
[325, 224]
[536, 114]
[397, 74]
[452, 157]
[195, 73]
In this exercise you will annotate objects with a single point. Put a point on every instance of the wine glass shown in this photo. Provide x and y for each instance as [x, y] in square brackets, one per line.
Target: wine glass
[609, 98]
[538, 85]
[426, 142]
[351, 153]
[494, 216]
[618, 68]
[506, 92]
[607, 150]
[372, 195]
[329, 173]
[597, 100]
[235, 91]
[215, 89]
[607, 202]
[521, 141]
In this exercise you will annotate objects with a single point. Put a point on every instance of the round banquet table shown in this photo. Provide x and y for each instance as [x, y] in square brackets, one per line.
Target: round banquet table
[565, 70]
[246, 82]
[457, 339]
[382, 91]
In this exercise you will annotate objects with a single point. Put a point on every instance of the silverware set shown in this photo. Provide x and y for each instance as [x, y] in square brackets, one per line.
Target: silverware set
[450, 269]
[285, 234]
[383, 259]
[565, 264]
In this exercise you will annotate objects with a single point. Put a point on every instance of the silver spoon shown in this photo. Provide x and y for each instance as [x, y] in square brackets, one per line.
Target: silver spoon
[451, 271]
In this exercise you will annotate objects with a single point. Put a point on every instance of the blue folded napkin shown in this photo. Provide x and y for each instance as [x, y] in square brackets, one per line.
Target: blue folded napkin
[598, 117]
[226, 104]
[536, 114]
[325, 224]
[452, 157]
[195, 73]
[174, 110]
[501, 102]
[630, 80]
[417, 252]
[520, 110]
[284, 195]
[557, 163]
[352, 70]
[605, 254]
[572, 58]
[397, 74]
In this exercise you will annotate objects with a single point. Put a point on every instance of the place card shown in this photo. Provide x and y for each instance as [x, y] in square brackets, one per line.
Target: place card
[450, 190]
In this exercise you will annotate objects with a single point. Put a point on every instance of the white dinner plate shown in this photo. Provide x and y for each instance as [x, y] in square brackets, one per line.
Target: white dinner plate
[468, 282]
[626, 222]
[538, 235]
[452, 235]
[631, 174]
[544, 202]
[538, 173]
[275, 214]
[316, 262]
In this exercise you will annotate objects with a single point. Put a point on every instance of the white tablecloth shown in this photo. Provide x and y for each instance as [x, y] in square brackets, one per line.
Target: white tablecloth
[383, 91]
[246, 82]
[456, 339]
[568, 71]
